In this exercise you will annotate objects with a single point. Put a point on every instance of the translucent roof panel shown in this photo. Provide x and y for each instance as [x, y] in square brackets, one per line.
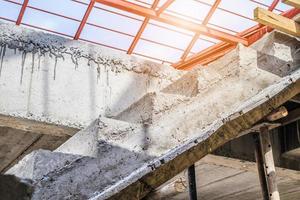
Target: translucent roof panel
[155, 50]
[51, 22]
[135, 26]
[9, 10]
[166, 36]
[190, 8]
[74, 10]
[106, 37]
[102, 17]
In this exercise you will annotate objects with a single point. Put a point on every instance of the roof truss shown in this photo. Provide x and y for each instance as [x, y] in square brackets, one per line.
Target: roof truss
[158, 14]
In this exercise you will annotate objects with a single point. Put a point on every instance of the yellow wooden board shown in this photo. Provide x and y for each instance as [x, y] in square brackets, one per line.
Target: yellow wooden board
[275, 21]
[295, 3]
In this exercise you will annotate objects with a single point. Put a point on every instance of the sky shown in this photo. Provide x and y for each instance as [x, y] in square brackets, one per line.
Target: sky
[155, 34]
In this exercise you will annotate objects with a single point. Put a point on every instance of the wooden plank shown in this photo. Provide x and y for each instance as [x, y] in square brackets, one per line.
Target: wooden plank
[277, 21]
[35, 126]
[260, 166]
[13, 143]
[295, 3]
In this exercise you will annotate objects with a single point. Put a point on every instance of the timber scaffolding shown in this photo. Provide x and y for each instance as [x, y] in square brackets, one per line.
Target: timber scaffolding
[121, 155]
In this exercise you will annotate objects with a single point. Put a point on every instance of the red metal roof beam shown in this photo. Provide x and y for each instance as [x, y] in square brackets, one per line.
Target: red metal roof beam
[273, 5]
[141, 30]
[196, 36]
[146, 21]
[84, 19]
[164, 7]
[175, 21]
[22, 11]
[208, 55]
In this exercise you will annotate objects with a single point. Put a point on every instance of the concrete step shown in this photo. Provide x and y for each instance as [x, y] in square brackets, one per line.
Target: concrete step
[151, 107]
[39, 163]
[98, 137]
[187, 85]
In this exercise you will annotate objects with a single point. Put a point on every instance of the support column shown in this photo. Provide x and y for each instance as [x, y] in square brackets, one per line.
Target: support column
[192, 182]
[260, 166]
[266, 149]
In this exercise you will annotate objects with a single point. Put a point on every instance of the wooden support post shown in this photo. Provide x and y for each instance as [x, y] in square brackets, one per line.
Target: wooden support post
[260, 166]
[192, 182]
[266, 150]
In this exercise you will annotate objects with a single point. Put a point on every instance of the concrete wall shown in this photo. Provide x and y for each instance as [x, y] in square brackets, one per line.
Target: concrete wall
[53, 79]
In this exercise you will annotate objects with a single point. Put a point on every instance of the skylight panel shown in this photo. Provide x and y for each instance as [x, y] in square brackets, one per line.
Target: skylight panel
[9, 10]
[114, 21]
[106, 37]
[18, 1]
[201, 45]
[243, 8]
[63, 7]
[231, 21]
[190, 8]
[50, 22]
[158, 51]
[166, 36]
[280, 6]
[99, 5]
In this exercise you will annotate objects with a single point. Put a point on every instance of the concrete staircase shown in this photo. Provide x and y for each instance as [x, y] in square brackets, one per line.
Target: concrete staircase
[148, 143]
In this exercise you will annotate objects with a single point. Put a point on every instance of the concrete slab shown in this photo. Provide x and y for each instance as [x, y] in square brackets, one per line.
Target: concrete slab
[42, 75]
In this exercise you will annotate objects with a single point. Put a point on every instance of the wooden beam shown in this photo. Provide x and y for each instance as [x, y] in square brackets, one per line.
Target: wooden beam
[35, 126]
[277, 21]
[293, 116]
[260, 166]
[295, 3]
[296, 99]
[277, 114]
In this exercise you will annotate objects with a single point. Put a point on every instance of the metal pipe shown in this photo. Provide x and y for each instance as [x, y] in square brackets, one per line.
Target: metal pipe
[192, 183]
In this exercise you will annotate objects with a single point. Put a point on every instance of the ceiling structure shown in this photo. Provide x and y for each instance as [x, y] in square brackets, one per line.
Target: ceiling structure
[178, 32]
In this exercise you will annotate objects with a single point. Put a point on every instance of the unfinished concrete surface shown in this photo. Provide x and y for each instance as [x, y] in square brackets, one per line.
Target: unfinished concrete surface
[52, 79]
[150, 130]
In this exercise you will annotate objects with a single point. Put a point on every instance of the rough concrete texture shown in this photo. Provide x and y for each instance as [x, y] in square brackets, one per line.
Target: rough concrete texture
[39, 163]
[53, 79]
[150, 107]
[123, 160]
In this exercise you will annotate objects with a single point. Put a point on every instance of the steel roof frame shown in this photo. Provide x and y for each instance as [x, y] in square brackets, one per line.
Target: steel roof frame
[157, 14]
